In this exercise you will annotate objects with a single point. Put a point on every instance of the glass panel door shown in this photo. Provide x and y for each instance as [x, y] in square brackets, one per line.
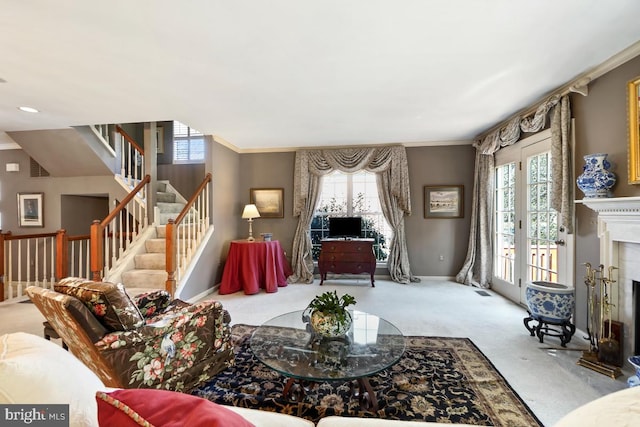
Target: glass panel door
[528, 243]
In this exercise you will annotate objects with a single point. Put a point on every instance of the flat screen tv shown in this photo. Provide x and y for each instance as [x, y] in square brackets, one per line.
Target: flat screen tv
[345, 227]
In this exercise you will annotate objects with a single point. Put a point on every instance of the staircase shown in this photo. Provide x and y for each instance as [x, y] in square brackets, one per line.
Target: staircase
[150, 265]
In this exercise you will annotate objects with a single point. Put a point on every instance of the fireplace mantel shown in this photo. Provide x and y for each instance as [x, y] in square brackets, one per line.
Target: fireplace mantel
[618, 225]
[613, 206]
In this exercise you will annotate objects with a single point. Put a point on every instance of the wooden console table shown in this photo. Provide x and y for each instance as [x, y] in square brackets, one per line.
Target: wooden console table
[347, 256]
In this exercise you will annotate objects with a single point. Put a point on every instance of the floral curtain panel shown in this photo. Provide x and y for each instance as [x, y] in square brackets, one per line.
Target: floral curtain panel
[393, 190]
[477, 267]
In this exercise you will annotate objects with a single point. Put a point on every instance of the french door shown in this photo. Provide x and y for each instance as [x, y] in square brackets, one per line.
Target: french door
[529, 243]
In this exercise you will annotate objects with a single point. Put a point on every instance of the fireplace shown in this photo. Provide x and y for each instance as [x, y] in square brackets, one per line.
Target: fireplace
[619, 234]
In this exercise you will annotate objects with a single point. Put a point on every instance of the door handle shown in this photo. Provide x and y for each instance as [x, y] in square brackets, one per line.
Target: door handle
[560, 242]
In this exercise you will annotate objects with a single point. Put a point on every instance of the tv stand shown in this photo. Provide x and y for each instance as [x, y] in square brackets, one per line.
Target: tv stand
[353, 256]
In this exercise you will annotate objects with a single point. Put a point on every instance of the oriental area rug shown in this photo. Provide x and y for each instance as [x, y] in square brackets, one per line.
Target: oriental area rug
[446, 380]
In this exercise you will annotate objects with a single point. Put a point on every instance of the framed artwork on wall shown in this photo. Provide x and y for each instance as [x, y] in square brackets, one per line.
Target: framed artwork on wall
[160, 139]
[443, 201]
[31, 209]
[269, 201]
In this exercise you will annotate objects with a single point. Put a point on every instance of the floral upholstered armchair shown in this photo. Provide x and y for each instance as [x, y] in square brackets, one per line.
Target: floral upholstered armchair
[143, 342]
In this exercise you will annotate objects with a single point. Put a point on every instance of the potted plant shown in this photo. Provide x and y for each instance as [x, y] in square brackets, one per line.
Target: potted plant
[328, 314]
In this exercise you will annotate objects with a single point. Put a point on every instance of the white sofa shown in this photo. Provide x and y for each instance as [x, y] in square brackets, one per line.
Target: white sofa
[619, 409]
[36, 371]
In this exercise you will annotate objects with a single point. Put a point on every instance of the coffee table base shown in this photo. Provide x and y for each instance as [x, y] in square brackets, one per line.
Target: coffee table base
[296, 389]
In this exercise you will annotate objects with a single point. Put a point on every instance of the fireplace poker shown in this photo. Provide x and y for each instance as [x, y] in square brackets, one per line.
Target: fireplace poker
[608, 348]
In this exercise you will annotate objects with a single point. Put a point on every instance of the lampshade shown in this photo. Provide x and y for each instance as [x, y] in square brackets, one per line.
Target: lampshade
[250, 211]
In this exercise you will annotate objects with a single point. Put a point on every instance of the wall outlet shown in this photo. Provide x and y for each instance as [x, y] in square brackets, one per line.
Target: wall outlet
[441, 257]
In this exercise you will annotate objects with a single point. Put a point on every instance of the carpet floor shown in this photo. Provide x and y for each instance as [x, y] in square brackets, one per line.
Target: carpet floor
[445, 380]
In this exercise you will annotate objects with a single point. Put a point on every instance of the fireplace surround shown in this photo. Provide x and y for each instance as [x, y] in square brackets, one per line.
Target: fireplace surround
[619, 235]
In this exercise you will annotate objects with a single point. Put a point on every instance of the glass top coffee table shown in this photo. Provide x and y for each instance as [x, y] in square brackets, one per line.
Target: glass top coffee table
[287, 345]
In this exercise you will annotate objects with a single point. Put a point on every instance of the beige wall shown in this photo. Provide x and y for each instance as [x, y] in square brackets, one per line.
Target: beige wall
[268, 170]
[53, 188]
[600, 127]
[426, 238]
[78, 212]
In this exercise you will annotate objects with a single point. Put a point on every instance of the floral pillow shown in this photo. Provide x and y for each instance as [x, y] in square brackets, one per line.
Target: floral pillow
[108, 302]
[152, 303]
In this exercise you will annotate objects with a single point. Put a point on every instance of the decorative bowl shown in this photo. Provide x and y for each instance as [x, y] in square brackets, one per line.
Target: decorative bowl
[329, 326]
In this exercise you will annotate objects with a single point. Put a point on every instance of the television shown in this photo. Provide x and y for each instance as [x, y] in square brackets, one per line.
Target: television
[345, 227]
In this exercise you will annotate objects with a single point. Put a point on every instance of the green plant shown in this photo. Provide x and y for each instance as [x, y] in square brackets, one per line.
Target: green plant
[330, 303]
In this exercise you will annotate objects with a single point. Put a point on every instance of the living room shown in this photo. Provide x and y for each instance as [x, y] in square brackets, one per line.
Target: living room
[437, 248]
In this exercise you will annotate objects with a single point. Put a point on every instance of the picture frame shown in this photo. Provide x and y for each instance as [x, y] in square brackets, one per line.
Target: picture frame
[633, 119]
[444, 201]
[159, 140]
[269, 201]
[31, 209]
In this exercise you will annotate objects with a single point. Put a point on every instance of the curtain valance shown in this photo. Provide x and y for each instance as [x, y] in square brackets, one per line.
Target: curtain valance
[376, 160]
[510, 133]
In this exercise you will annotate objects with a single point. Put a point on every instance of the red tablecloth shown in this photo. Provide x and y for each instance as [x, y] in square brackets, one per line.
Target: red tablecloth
[254, 265]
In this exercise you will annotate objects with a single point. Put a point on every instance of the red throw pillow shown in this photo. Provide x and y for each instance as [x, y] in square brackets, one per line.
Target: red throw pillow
[162, 408]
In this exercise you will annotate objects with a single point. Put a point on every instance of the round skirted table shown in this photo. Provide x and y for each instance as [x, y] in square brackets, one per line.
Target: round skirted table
[252, 266]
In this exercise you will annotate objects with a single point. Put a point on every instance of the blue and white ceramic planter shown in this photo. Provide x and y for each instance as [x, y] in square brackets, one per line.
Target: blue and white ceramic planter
[550, 302]
[596, 181]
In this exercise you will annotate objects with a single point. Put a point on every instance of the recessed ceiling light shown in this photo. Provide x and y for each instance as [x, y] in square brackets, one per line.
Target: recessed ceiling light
[28, 109]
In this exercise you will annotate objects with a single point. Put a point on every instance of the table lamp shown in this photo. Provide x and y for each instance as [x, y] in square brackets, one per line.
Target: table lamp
[250, 212]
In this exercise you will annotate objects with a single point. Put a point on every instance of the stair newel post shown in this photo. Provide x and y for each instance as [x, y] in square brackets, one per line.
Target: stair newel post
[170, 240]
[62, 254]
[96, 251]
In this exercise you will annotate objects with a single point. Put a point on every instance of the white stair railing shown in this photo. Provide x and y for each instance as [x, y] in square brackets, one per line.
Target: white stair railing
[184, 234]
[131, 159]
[111, 237]
[40, 260]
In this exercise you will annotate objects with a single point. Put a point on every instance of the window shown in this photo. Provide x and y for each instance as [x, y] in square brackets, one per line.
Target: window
[505, 217]
[188, 144]
[354, 194]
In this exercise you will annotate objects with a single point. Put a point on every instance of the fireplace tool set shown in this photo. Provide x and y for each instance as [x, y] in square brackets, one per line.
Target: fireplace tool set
[605, 343]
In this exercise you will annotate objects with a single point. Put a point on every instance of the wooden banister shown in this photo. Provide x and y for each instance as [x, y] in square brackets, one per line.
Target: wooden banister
[123, 204]
[97, 247]
[171, 234]
[192, 200]
[130, 140]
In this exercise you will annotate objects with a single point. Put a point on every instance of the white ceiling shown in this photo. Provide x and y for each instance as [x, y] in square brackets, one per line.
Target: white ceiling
[294, 73]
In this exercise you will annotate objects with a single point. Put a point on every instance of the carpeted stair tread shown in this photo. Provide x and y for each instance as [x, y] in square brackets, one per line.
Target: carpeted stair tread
[158, 246]
[150, 261]
[170, 207]
[144, 278]
[163, 197]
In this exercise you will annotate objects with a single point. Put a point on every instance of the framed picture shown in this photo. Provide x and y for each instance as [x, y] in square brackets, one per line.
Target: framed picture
[160, 139]
[269, 201]
[443, 201]
[30, 209]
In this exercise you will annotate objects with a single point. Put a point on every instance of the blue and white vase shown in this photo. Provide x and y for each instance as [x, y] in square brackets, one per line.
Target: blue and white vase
[596, 181]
